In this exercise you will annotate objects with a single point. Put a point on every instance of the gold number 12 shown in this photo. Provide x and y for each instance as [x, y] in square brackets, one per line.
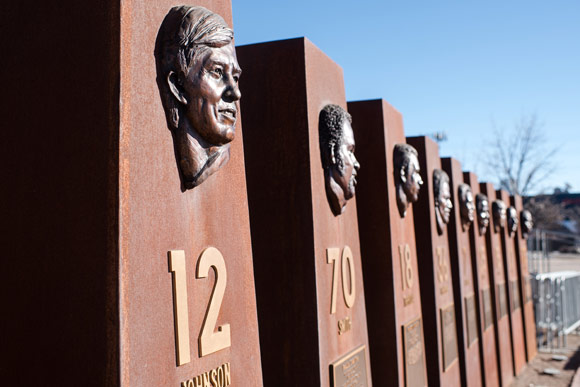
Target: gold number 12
[210, 341]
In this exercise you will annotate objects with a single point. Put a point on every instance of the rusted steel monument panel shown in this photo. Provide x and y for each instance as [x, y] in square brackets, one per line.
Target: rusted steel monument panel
[187, 298]
[498, 284]
[508, 240]
[126, 248]
[486, 323]
[521, 247]
[309, 280]
[387, 235]
[431, 216]
[462, 270]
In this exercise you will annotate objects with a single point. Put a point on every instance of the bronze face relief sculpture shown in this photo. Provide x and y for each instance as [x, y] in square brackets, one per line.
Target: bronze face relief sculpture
[482, 205]
[197, 76]
[527, 223]
[498, 210]
[466, 206]
[512, 221]
[337, 153]
[442, 195]
[408, 180]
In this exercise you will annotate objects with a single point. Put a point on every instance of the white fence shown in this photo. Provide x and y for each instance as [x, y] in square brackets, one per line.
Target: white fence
[557, 306]
[556, 293]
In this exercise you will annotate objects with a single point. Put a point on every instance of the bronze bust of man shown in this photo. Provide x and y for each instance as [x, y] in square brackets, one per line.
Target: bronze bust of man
[527, 223]
[442, 196]
[337, 153]
[466, 206]
[482, 205]
[498, 210]
[512, 221]
[408, 180]
[197, 76]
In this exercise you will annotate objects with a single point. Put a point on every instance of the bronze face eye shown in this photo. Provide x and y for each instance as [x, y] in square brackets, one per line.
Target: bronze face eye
[217, 72]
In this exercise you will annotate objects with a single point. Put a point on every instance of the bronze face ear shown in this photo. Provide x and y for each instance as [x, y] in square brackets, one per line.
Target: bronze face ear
[403, 174]
[174, 85]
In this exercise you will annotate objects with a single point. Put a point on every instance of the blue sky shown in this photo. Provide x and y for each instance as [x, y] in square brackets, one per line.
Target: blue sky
[461, 67]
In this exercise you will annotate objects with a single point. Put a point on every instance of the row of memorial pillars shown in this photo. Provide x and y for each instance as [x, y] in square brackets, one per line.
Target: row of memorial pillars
[148, 283]
[436, 302]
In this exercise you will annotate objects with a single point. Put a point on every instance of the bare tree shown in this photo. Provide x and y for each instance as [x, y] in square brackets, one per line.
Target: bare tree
[520, 158]
[547, 214]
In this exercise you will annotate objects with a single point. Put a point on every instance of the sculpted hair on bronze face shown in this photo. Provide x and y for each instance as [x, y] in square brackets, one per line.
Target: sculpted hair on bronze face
[463, 189]
[186, 32]
[439, 177]
[401, 158]
[330, 131]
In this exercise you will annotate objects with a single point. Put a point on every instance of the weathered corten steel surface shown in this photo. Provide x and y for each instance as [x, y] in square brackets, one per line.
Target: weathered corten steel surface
[512, 278]
[59, 191]
[437, 292]
[383, 235]
[465, 288]
[521, 248]
[498, 294]
[482, 282]
[157, 216]
[285, 85]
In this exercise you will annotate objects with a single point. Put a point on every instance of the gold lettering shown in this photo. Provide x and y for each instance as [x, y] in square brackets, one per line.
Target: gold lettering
[406, 267]
[332, 257]
[483, 261]
[212, 376]
[211, 341]
[348, 265]
[180, 311]
[217, 377]
[442, 273]
[344, 325]
[220, 376]
[348, 276]
[408, 300]
[226, 368]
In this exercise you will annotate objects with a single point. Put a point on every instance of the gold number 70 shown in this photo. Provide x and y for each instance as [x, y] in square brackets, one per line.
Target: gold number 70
[348, 276]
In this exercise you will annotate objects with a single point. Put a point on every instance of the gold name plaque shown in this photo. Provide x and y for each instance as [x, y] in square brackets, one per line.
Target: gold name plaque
[350, 370]
[415, 375]
[487, 313]
[502, 300]
[448, 336]
[471, 320]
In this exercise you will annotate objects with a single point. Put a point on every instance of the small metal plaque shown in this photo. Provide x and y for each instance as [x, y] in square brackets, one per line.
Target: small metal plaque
[502, 300]
[448, 336]
[515, 293]
[415, 374]
[487, 314]
[350, 370]
[472, 334]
